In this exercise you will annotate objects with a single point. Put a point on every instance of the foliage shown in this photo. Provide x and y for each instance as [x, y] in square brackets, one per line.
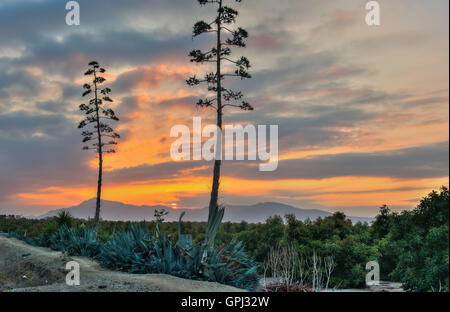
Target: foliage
[29, 240]
[50, 229]
[64, 218]
[230, 265]
[135, 251]
[411, 247]
[214, 220]
[282, 287]
[418, 244]
[75, 241]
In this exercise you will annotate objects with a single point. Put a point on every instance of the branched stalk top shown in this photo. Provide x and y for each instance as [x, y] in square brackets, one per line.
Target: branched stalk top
[227, 38]
[97, 113]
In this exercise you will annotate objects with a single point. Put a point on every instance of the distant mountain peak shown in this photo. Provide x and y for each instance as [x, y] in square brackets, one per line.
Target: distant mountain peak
[93, 200]
[260, 212]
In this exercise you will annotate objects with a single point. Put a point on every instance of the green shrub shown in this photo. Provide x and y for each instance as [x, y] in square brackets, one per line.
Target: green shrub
[418, 242]
[75, 241]
[411, 247]
[40, 241]
[64, 218]
[125, 247]
[135, 251]
[49, 230]
[230, 265]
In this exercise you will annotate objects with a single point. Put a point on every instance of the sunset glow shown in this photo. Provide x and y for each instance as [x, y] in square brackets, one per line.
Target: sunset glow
[363, 113]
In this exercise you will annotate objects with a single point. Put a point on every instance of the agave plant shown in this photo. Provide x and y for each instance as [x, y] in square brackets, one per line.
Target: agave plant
[75, 241]
[214, 219]
[126, 248]
[135, 251]
[40, 241]
[230, 265]
[184, 240]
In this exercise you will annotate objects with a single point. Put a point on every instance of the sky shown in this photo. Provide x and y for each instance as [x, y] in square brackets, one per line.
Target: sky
[363, 111]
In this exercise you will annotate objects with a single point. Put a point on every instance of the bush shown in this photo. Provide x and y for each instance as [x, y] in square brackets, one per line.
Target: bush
[40, 242]
[411, 247]
[283, 287]
[419, 239]
[125, 250]
[49, 230]
[230, 265]
[64, 218]
[135, 251]
[75, 241]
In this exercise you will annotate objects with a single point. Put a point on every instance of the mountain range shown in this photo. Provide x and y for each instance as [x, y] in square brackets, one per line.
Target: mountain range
[117, 211]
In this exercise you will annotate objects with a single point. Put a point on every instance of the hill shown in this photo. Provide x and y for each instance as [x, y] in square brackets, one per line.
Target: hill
[117, 211]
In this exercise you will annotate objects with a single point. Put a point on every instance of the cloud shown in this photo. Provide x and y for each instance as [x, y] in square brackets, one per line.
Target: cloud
[158, 172]
[17, 82]
[331, 83]
[413, 163]
[147, 78]
[24, 124]
[339, 22]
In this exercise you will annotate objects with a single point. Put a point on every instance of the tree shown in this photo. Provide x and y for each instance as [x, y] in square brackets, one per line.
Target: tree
[95, 122]
[381, 225]
[225, 39]
[420, 240]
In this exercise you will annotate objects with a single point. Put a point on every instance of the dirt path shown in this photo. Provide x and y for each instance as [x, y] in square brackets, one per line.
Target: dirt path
[24, 268]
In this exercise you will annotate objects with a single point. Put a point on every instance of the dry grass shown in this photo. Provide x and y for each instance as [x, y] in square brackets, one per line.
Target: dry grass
[283, 287]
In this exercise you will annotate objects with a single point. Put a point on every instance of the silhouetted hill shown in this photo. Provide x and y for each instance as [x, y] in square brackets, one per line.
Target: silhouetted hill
[117, 211]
